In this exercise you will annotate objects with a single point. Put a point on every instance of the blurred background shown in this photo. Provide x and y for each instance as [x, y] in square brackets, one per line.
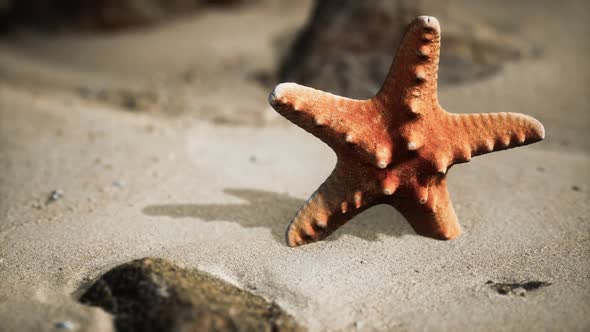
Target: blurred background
[165, 56]
[110, 106]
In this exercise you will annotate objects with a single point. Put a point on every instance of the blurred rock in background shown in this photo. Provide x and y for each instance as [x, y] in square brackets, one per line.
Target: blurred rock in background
[348, 45]
[97, 14]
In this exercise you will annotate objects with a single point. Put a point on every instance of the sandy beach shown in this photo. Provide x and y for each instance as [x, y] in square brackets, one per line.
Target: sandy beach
[159, 142]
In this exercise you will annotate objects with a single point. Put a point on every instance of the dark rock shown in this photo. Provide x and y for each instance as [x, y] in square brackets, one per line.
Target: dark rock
[347, 46]
[154, 295]
[517, 288]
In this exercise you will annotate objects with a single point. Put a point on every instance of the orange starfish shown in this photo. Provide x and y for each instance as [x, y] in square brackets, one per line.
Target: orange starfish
[396, 147]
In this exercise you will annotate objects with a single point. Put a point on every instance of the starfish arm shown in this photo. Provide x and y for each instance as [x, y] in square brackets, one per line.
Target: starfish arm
[412, 78]
[331, 206]
[482, 133]
[429, 210]
[340, 122]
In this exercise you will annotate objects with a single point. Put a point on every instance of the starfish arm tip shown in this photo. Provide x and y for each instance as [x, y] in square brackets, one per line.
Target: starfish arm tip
[290, 237]
[428, 22]
[539, 129]
[449, 234]
[533, 130]
[280, 91]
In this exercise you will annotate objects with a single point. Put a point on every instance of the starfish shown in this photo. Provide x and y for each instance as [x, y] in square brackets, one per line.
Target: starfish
[397, 147]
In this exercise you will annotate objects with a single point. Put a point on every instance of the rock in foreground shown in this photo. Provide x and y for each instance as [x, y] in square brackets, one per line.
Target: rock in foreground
[152, 294]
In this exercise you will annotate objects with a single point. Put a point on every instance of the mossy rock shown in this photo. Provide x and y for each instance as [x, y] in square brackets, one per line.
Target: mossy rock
[153, 294]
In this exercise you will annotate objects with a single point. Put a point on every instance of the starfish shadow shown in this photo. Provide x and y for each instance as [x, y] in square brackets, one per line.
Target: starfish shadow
[274, 211]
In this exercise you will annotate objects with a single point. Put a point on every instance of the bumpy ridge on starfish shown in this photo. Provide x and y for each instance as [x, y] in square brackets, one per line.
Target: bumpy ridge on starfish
[397, 147]
[487, 132]
[339, 122]
[337, 200]
[414, 71]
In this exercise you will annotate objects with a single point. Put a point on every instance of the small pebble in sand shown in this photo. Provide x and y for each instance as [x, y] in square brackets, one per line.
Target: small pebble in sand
[55, 195]
[576, 188]
[119, 184]
[65, 325]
